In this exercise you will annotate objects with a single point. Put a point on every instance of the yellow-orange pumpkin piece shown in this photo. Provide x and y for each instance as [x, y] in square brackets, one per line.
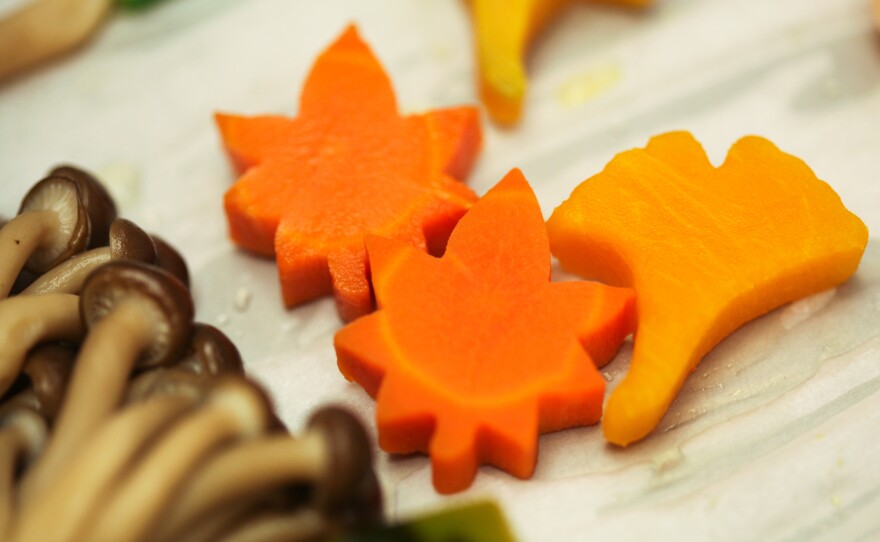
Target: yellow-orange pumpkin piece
[706, 250]
[348, 165]
[504, 30]
[472, 355]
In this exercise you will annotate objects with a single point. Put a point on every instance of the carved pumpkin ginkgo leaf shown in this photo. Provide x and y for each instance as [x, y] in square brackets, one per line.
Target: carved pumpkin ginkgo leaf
[707, 249]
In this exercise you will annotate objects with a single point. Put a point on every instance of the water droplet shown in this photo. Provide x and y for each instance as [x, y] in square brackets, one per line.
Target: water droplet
[243, 299]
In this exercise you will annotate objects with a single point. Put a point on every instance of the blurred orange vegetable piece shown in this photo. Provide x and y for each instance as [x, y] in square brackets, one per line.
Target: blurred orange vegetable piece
[504, 29]
[472, 355]
[347, 166]
[707, 249]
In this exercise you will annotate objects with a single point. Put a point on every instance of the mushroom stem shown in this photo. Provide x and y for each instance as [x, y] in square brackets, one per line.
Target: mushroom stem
[19, 238]
[25, 399]
[97, 385]
[127, 242]
[212, 527]
[161, 381]
[234, 410]
[26, 321]
[69, 275]
[246, 470]
[47, 369]
[22, 434]
[305, 524]
[90, 474]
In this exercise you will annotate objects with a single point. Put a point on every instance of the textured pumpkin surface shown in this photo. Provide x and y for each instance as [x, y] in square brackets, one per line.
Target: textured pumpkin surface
[706, 250]
[347, 166]
[472, 355]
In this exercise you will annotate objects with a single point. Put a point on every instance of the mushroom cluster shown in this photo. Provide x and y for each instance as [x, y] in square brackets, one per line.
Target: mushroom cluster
[122, 419]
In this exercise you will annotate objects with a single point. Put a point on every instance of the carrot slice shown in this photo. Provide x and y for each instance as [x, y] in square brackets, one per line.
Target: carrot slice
[706, 250]
[348, 165]
[504, 29]
[472, 355]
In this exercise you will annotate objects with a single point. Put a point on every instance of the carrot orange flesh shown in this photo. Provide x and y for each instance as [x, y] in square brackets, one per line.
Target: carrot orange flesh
[472, 355]
[348, 165]
[706, 250]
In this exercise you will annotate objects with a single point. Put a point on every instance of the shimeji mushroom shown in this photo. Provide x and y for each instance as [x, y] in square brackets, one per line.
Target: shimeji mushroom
[333, 458]
[90, 473]
[169, 259]
[161, 382]
[61, 215]
[112, 451]
[235, 409]
[137, 315]
[43, 381]
[127, 242]
[210, 354]
[213, 527]
[22, 434]
[284, 526]
[27, 321]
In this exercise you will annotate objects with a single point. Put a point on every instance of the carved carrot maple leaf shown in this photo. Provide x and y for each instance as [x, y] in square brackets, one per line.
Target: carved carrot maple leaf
[472, 355]
[347, 166]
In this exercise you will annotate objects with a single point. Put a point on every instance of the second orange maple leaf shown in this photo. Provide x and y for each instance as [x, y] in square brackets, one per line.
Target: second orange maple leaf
[472, 355]
[347, 166]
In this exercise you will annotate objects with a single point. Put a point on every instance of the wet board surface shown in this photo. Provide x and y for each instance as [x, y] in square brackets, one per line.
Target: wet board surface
[774, 437]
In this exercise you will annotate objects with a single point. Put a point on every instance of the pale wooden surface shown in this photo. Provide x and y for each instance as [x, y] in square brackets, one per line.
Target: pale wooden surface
[775, 436]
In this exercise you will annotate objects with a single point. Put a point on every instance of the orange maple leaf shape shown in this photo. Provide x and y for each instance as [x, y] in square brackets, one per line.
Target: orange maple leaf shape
[348, 165]
[472, 355]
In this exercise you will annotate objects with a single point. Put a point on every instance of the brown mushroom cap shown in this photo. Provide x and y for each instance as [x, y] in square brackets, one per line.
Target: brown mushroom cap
[163, 381]
[120, 280]
[100, 205]
[48, 368]
[169, 259]
[129, 242]
[211, 353]
[350, 455]
[42, 382]
[84, 210]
